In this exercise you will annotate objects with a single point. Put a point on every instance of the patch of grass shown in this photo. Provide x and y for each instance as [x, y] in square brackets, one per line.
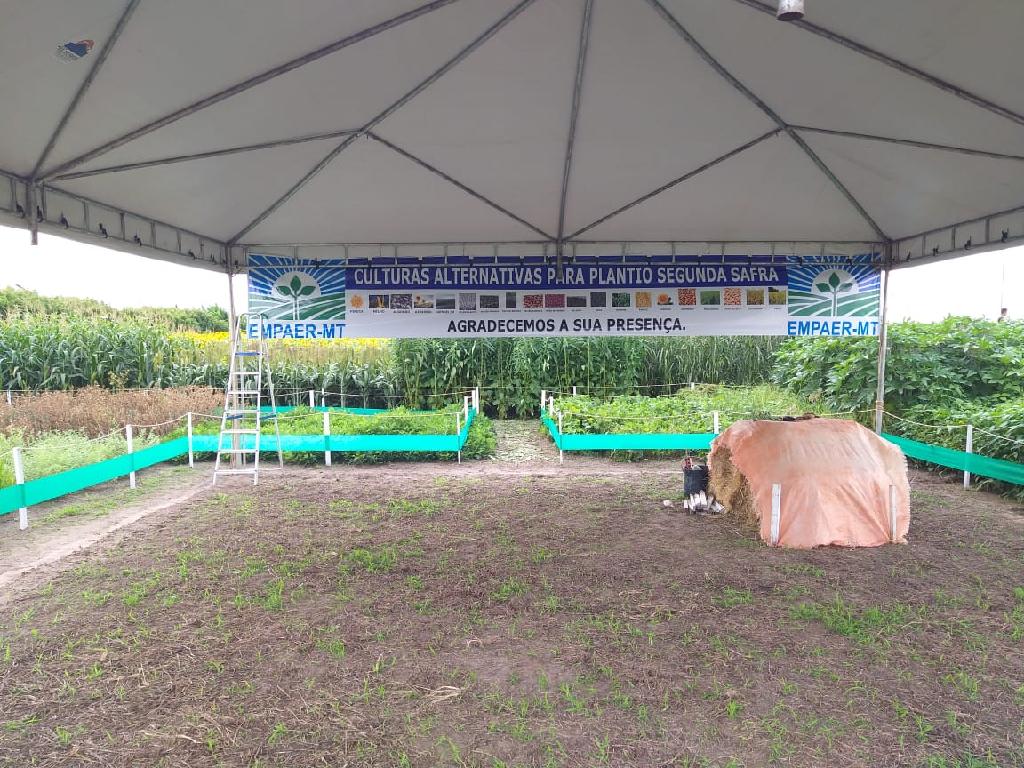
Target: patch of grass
[804, 569]
[731, 597]
[414, 583]
[273, 595]
[15, 726]
[540, 555]
[326, 640]
[964, 682]
[378, 560]
[413, 507]
[278, 732]
[865, 626]
[1015, 617]
[509, 588]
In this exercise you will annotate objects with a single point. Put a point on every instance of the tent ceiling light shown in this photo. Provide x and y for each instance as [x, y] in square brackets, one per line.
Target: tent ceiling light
[790, 10]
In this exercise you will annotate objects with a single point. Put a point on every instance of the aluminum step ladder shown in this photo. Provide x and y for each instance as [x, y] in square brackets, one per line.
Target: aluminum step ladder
[241, 424]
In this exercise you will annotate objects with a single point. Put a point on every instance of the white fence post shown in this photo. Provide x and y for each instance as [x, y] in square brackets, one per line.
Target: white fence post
[458, 426]
[312, 399]
[191, 454]
[327, 438]
[543, 399]
[969, 449]
[10, 400]
[19, 478]
[561, 453]
[717, 423]
[892, 513]
[131, 449]
[776, 513]
[476, 399]
[574, 390]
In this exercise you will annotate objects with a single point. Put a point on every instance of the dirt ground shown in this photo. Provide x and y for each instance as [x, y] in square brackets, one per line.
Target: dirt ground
[514, 612]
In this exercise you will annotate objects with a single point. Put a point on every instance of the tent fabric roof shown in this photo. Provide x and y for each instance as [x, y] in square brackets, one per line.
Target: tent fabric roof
[559, 123]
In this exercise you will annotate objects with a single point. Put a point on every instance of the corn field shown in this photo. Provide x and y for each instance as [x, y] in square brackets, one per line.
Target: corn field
[47, 353]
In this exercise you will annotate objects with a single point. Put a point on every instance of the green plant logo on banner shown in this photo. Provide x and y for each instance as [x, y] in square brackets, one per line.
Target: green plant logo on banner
[285, 291]
[847, 291]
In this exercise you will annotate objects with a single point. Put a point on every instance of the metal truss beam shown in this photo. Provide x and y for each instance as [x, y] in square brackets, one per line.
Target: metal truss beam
[678, 180]
[245, 85]
[433, 77]
[995, 231]
[101, 58]
[684, 33]
[455, 182]
[200, 155]
[890, 61]
[577, 88]
[908, 142]
[108, 231]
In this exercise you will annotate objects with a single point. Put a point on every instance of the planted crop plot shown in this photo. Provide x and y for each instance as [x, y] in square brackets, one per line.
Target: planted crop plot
[60, 463]
[491, 615]
[685, 420]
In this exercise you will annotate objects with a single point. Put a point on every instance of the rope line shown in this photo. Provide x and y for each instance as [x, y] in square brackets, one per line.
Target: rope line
[927, 426]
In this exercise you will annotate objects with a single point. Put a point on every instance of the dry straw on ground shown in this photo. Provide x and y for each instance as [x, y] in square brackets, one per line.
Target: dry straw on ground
[730, 487]
[96, 411]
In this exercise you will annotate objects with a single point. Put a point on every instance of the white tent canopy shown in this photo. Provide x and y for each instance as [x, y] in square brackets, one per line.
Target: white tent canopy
[189, 130]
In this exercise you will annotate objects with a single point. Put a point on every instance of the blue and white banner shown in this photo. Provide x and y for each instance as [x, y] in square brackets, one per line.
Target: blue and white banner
[741, 295]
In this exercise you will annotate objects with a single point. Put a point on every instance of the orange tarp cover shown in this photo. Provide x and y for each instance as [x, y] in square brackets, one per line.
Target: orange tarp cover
[835, 477]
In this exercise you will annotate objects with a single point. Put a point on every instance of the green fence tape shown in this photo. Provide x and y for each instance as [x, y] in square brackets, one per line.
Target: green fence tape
[53, 486]
[11, 498]
[984, 466]
[629, 442]
[346, 443]
[997, 469]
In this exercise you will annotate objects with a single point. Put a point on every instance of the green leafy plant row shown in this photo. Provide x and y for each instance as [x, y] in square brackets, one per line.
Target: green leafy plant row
[687, 411]
[480, 442]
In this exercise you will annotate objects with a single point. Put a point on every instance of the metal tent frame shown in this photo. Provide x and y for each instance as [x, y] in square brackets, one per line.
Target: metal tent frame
[48, 196]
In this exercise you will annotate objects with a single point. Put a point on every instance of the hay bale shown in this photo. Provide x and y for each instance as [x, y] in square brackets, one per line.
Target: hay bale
[729, 486]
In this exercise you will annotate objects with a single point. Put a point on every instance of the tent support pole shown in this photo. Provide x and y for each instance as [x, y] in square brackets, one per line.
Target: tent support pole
[883, 337]
[30, 210]
[232, 315]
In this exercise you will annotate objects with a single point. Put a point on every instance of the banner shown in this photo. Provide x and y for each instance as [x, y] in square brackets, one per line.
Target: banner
[636, 296]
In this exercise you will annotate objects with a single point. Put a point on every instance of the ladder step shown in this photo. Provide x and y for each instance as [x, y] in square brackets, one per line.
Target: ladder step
[239, 431]
[251, 471]
[252, 392]
[242, 353]
[236, 415]
[237, 450]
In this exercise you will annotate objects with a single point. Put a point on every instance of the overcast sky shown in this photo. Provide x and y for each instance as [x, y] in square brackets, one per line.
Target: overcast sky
[975, 285]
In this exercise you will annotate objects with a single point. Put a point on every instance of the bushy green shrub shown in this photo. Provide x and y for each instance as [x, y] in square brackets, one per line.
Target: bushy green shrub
[931, 364]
